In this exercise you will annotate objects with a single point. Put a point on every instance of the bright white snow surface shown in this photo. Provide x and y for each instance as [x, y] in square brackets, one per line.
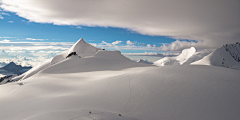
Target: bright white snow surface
[185, 58]
[139, 93]
[222, 58]
[109, 86]
[81, 48]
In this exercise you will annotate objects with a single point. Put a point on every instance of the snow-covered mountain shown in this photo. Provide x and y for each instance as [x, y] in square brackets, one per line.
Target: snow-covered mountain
[81, 48]
[106, 85]
[144, 61]
[227, 56]
[10, 71]
[85, 54]
[186, 57]
[15, 69]
[7, 78]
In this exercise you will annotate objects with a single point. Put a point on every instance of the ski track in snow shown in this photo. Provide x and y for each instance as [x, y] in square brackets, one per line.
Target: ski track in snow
[130, 92]
[113, 87]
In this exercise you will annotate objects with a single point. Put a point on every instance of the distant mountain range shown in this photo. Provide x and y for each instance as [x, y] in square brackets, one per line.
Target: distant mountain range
[15, 69]
[11, 70]
[227, 56]
[185, 58]
[86, 82]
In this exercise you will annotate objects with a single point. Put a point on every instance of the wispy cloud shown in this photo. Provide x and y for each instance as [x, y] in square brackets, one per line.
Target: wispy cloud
[116, 42]
[130, 42]
[8, 37]
[214, 22]
[8, 45]
[35, 39]
[38, 48]
[128, 46]
[152, 54]
[180, 45]
[5, 41]
[2, 13]
[25, 57]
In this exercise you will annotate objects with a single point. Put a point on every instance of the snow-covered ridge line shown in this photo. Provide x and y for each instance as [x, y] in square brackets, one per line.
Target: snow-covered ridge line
[79, 55]
[186, 57]
[234, 50]
[81, 48]
[108, 86]
[227, 56]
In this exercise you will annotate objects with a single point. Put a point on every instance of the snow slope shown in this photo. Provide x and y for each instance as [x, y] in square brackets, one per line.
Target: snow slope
[82, 49]
[109, 86]
[138, 93]
[227, 56]
[102, 60]
[7, 78]
[186, 57]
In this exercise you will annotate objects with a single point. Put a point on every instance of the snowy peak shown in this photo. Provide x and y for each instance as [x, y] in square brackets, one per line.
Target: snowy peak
[144, 61]
[80, 48]
[11, 66]
[186, 54]
[83, 49]
[101, 61]
[227, 56]
[17, 69]
[83, 57]
[186, 57]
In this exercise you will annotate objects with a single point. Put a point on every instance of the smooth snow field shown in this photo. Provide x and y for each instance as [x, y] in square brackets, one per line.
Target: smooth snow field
[140, 93]
[97, 84]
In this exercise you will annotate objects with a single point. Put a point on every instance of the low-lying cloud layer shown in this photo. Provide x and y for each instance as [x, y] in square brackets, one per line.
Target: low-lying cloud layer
[211, 23]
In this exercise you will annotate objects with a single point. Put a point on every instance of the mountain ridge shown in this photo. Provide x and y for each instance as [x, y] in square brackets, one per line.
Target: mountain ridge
[227, 56]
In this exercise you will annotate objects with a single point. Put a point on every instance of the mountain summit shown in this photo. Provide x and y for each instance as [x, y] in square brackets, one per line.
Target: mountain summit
[83, 57]
[227, 56]
[81, 48]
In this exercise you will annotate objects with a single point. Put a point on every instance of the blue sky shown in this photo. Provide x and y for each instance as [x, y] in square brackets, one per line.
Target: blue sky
[18, 29]
[42, 28]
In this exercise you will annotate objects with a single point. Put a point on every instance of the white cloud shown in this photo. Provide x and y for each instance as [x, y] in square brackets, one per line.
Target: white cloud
[2, 13]
[149, 45]
[1, 17]
[38, 48]
[129, 42]
[79, 27]
[10, 21]
[35, 39]
[116, 42]
[8, 37]
[152, 54]
[5, 41]
[215, 22]
[8, 45]
[180, 45]
[131, 46]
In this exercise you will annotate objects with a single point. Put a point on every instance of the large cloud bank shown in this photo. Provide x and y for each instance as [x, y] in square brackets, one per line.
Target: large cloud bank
[211, 22]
